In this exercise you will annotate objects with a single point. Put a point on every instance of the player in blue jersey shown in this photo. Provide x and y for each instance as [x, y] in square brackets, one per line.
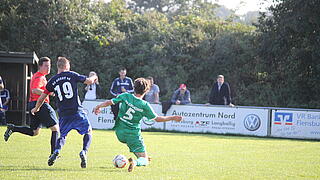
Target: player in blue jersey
[72, 116]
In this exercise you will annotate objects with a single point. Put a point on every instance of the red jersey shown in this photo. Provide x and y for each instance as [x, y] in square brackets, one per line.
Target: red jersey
[38, 81]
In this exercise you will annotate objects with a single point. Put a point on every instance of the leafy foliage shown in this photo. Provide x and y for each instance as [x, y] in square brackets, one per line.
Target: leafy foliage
[179, 41]
[289, 51]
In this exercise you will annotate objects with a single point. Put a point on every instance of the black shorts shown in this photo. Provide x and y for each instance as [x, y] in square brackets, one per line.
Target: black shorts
[46, 116]
[115, 110]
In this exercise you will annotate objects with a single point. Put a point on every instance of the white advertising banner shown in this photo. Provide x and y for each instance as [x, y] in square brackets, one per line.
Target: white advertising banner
[105, 119]
[222, 120]
[146, 124]
[295, 124]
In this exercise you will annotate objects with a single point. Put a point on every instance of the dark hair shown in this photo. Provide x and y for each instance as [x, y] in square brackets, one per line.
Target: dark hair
[122, 69]
[141, 85]
[43, 59]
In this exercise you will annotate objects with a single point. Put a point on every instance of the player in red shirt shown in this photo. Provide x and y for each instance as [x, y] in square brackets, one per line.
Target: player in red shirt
[46, 115]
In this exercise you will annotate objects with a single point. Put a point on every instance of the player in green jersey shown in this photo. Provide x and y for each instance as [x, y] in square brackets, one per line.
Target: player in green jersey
[127, 126]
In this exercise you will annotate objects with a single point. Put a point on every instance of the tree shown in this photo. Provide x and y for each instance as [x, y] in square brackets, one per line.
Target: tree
[189, 45]
[289, 48]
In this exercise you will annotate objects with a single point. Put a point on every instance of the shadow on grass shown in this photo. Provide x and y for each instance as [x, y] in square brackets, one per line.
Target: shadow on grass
[156, 132]
[225, 136]
[110, 169]
[20, 168]
[32, 168]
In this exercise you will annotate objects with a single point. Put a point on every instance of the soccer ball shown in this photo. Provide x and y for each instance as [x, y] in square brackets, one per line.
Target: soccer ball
[120, 161]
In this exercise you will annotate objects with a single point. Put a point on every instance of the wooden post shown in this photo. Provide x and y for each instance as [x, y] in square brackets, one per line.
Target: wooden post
[24, 96]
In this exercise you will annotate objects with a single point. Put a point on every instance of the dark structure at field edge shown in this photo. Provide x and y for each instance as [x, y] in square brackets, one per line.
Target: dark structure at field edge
[16, 69]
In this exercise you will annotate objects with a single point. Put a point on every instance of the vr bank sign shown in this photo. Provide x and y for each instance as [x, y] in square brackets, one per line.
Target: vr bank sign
[295, 124]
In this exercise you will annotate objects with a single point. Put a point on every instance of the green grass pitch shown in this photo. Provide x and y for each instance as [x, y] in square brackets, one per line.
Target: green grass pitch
[174, 156]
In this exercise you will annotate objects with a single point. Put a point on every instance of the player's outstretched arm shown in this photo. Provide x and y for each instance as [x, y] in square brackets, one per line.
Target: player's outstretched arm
[40, 101]
[40, 91]
[168, 118]
[37, 91]
[91, 80]
[96, 110]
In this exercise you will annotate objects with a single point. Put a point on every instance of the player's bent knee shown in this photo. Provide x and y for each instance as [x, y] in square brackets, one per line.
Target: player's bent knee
[141, 154]
[36, 132]
[54, 128]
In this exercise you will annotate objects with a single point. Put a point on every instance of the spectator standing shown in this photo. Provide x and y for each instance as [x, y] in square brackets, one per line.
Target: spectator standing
[220, 93]
[181, 96]
[93, 91]
[152, 96]
[120, 85]
[5, 97]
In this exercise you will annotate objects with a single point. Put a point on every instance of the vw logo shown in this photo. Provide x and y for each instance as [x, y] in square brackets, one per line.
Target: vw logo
[252, 122]
[148, 122]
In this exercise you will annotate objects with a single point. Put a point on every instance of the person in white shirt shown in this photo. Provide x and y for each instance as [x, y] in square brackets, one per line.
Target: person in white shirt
[93, 90]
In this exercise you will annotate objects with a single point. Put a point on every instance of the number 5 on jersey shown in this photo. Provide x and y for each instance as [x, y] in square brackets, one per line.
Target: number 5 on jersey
[129, 114]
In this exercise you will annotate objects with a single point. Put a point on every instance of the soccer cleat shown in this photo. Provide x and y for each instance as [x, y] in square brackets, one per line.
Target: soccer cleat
[8, 132]
[56, 158]
[83, 157]
[131, 164]
[53, 158]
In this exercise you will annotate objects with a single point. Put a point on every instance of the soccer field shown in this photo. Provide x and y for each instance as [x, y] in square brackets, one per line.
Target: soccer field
[174, 156]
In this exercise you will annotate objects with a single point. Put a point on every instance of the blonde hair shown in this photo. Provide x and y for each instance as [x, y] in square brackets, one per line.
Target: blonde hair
[62, 62]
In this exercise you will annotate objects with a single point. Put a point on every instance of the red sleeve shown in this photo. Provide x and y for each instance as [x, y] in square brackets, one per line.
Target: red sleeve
[36, 83]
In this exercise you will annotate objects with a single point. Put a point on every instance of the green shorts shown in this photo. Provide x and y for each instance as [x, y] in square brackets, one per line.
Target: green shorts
[132, 138]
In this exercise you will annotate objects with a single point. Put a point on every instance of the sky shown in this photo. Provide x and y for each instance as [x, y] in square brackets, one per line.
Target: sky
[243, 6]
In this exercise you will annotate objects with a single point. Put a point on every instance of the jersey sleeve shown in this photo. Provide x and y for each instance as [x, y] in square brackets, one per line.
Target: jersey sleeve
[8, 95]
[130, 87]
[149, 112]
[118, 99]
[49, 88]
[79, 78]
[113, 86]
